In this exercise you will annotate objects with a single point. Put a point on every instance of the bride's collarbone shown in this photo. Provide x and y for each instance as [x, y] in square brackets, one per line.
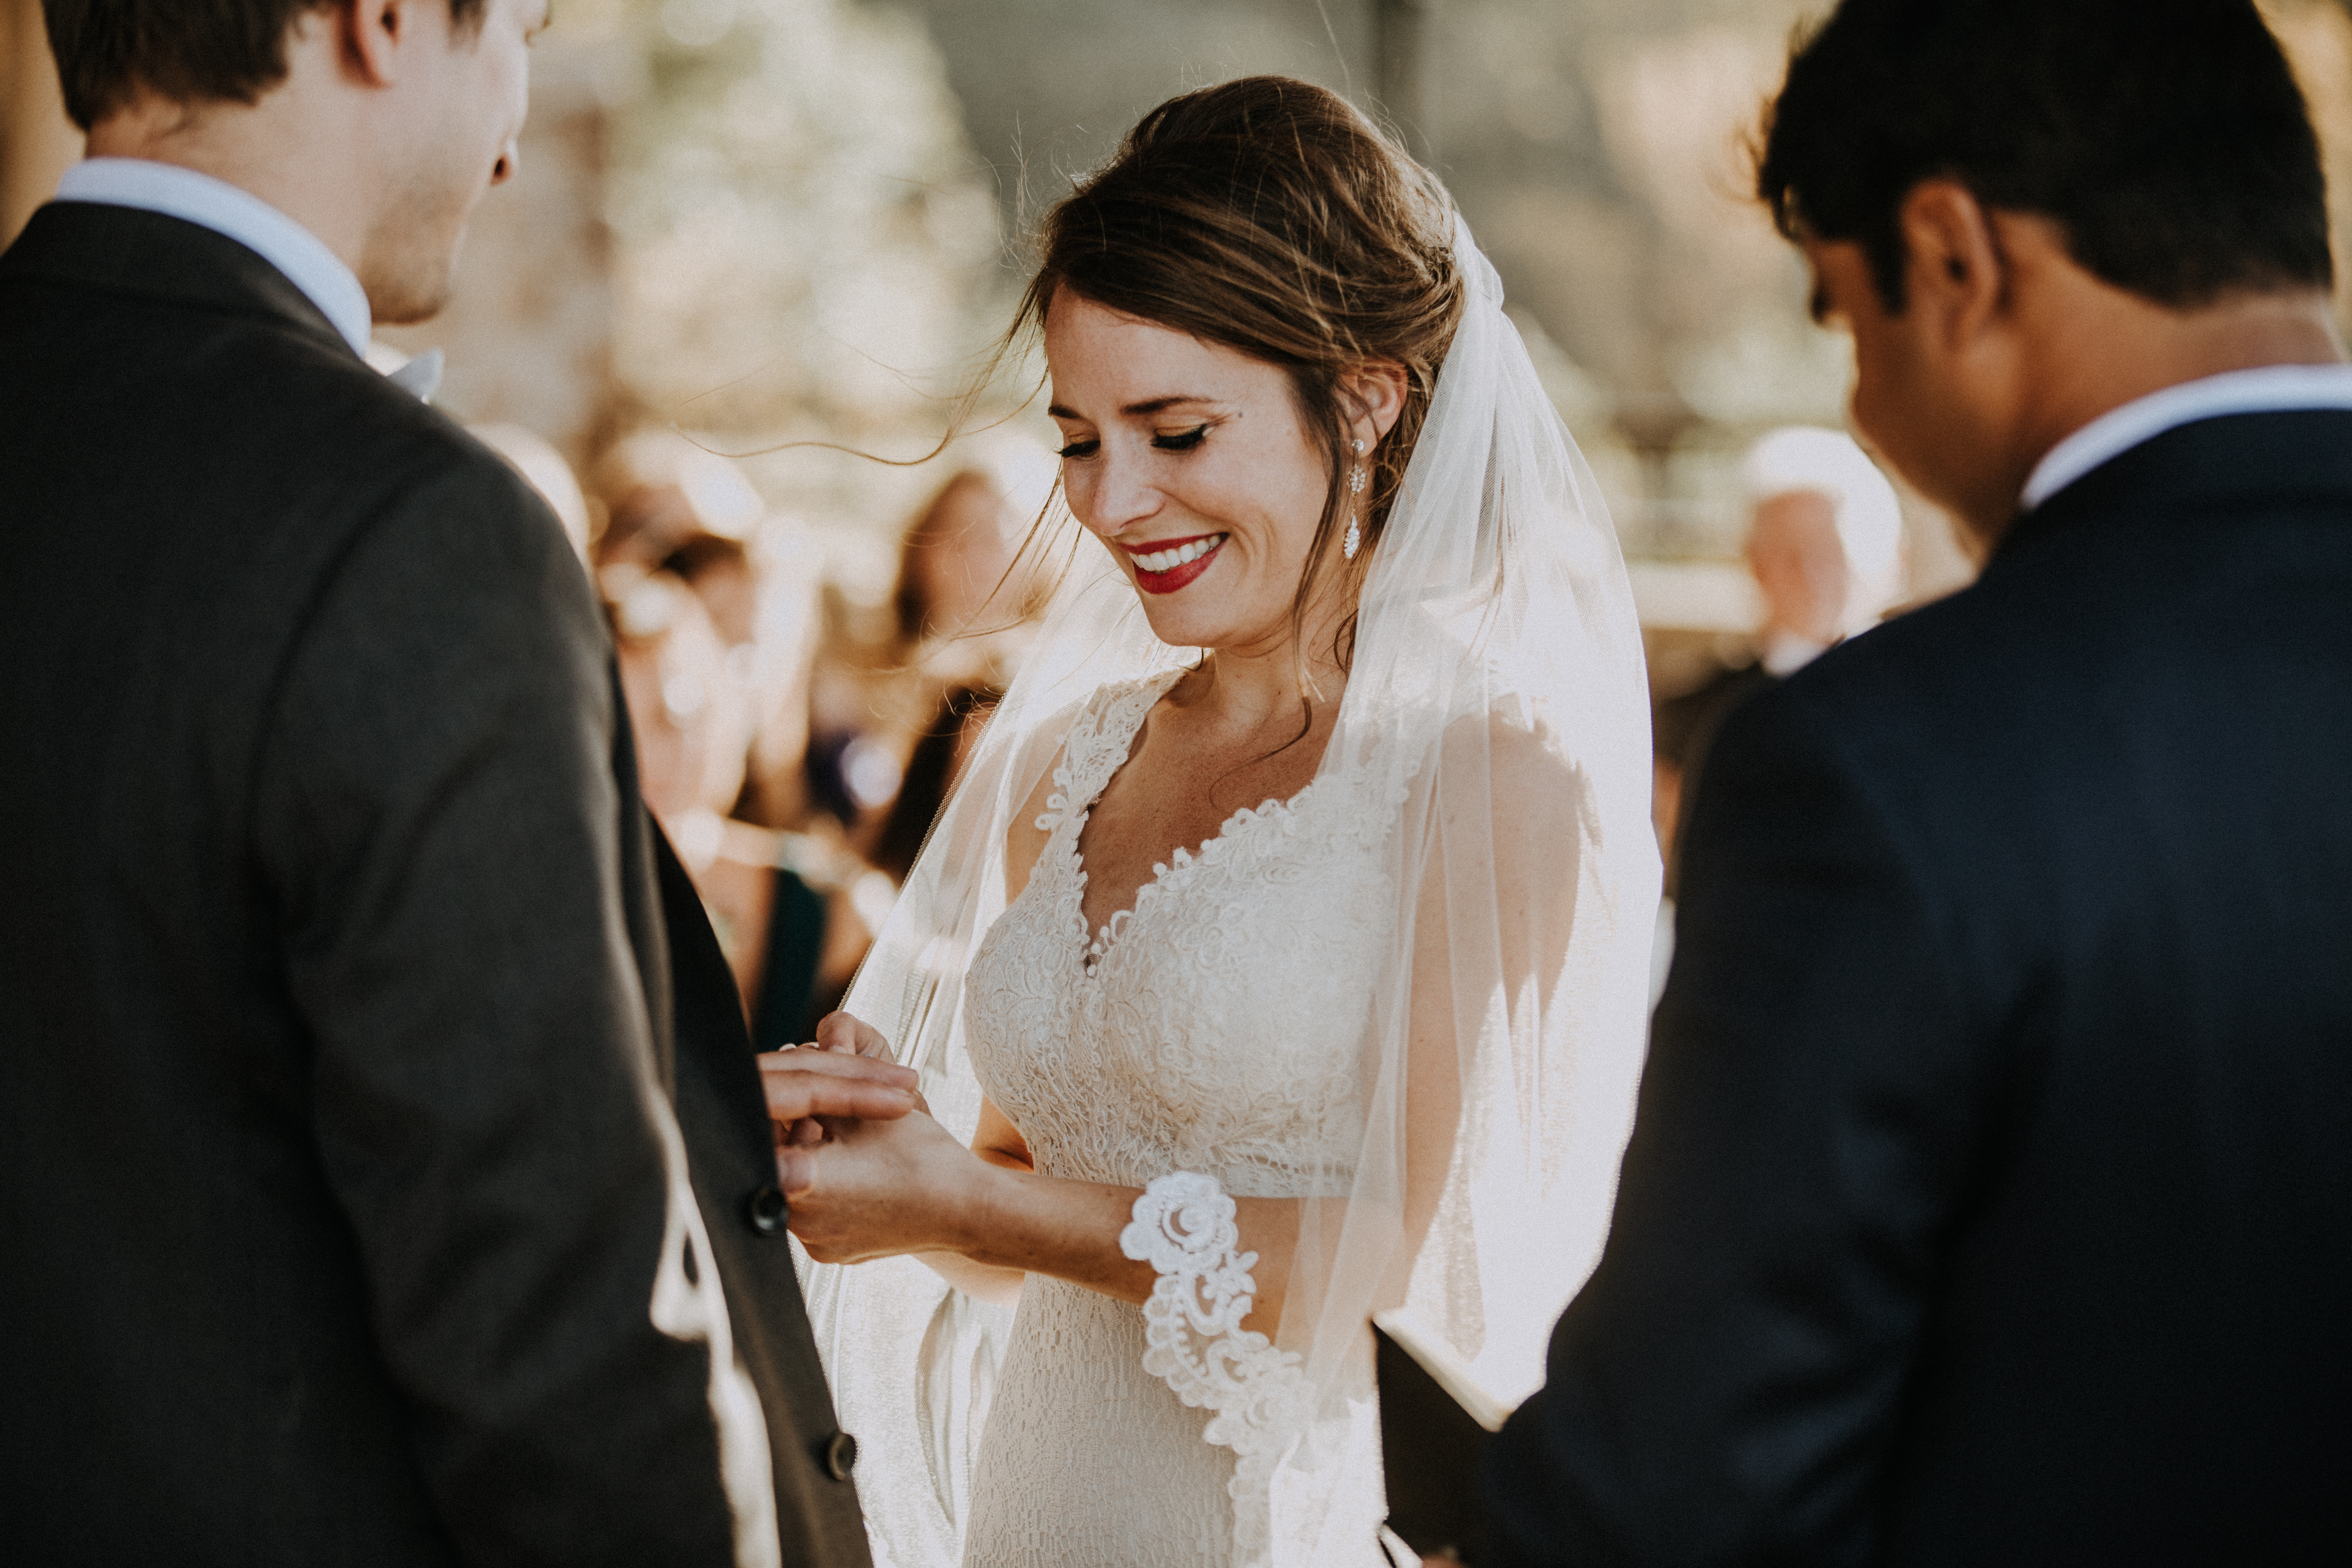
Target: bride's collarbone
[1173, 795]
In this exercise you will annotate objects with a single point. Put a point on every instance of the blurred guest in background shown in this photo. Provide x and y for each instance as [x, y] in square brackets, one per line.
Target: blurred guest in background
[954, 567]
[671, 506]
[1825, 546]
[959, 617]
[931, 770]
[716, 647]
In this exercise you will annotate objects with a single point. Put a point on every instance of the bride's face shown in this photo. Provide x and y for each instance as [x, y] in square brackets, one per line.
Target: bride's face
[1189, 461]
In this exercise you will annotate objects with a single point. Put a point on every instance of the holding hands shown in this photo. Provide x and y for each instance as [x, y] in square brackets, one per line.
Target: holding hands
[868, 1174]
[867, 1170]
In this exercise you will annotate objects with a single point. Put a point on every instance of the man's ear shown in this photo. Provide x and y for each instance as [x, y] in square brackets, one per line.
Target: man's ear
[372, 32]
[1956, 269]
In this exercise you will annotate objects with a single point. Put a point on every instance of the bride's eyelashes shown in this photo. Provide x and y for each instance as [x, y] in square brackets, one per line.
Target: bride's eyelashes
[1182, 440]
[1174, 441]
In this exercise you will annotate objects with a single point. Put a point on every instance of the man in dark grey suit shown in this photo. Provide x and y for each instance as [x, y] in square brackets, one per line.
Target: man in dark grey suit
[345, 1204]
[1990, 1200]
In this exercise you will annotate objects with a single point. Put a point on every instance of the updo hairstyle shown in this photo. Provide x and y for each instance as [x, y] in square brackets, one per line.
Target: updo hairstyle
[1271, 216]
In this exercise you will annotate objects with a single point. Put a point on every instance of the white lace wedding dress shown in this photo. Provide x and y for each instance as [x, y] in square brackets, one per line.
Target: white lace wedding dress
[1413, 993]
[1217, 1028]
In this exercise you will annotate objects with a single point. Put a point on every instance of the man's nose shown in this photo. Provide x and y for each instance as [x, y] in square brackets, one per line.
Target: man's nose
[510, 160]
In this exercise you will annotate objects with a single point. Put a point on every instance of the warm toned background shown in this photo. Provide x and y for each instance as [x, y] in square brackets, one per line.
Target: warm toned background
[780, 220]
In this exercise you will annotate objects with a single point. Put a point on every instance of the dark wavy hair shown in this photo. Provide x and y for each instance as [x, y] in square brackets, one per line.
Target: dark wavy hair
[2167, 138]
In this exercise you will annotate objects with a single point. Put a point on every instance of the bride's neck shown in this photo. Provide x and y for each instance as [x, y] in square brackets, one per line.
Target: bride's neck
[1251, 687]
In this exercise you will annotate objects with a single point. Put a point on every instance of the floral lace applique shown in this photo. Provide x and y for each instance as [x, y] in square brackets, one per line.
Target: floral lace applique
[1185, 1228]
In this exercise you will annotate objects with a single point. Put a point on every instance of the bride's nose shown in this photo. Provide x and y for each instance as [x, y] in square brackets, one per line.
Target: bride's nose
[1120, 495]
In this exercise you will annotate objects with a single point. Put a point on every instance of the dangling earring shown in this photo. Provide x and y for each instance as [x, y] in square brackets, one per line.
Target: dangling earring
[1355, 538]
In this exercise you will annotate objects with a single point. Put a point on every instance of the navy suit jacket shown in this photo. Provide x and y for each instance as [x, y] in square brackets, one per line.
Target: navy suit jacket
[1990, 1196]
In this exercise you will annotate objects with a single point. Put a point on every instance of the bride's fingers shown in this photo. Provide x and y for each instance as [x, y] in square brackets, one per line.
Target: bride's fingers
[801, 1084]
[851, 1036]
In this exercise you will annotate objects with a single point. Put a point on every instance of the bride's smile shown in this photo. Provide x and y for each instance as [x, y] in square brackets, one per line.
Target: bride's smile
[1190, 462]
[1170, 564]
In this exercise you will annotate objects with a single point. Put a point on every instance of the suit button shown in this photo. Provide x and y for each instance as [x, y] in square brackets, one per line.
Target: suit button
[839, 1453]
[768, 1210]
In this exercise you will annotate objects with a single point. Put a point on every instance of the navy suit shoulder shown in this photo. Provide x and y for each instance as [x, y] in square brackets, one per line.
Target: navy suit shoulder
[1988, 1199]
[2135, 714]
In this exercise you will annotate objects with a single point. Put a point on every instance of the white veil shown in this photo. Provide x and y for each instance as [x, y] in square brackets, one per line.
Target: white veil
[1496, 691]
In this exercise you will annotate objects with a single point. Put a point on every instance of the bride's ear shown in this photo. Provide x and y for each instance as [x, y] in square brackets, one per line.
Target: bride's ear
[1373, 395]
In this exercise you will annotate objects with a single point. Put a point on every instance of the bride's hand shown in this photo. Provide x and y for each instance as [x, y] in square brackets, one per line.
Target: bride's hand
[805, 1083]
[847, 1035]
[877, 1189]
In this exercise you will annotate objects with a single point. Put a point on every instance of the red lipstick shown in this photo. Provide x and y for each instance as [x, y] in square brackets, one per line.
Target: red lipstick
[1175, 578]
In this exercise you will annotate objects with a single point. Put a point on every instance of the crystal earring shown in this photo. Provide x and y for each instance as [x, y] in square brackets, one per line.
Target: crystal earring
[1354, 542]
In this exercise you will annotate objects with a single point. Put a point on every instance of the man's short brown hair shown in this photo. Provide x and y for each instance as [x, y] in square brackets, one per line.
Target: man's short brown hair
[189, 51]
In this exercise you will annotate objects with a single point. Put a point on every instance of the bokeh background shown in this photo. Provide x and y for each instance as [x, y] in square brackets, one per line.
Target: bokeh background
[769, 221]
[790, 231]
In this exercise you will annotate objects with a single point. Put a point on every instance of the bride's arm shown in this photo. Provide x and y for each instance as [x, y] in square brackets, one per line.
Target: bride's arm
[983, 1218]
[984, 1213]
[997, 1142]
[888, 1188]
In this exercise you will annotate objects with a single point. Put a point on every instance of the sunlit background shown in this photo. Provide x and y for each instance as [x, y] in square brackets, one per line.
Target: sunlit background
[787, 227]
[770, 221]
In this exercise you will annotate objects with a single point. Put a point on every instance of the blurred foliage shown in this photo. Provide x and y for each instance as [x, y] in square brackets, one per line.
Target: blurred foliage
[814, 205]
[803, 232]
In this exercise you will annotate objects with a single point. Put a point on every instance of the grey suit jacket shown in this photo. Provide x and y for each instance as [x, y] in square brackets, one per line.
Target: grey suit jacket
[333, 987]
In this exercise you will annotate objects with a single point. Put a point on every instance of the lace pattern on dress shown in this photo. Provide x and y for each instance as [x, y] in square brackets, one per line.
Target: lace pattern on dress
[1185, 1226]
[1216, 1028]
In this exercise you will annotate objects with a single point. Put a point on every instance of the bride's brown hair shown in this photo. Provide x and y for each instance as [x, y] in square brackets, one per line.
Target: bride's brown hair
[1271, 216]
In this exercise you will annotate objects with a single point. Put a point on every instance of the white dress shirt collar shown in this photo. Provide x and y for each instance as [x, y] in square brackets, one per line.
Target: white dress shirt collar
[183, 194]
[2272, 389]
[1785, 653]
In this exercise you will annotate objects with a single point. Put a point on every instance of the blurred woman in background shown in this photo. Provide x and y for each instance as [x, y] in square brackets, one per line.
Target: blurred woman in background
[716, 646]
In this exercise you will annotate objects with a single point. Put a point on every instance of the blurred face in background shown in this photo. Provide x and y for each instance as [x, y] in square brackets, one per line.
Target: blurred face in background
[1800, 564]
[1190, 462]
[961, 559]
[465, 89]
[691, 715]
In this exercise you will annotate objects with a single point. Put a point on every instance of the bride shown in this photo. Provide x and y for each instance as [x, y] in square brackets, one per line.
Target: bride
[1281, 957]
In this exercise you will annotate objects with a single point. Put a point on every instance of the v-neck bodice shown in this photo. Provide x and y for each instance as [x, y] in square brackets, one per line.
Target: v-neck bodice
[1070, 800]
[1213, 1026]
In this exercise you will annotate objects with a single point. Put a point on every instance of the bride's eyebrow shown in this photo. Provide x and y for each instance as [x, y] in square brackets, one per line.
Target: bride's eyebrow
[1149, 406]
[1162, 404]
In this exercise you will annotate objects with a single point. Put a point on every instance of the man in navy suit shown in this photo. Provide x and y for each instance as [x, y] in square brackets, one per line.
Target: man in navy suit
[1990, 1198]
